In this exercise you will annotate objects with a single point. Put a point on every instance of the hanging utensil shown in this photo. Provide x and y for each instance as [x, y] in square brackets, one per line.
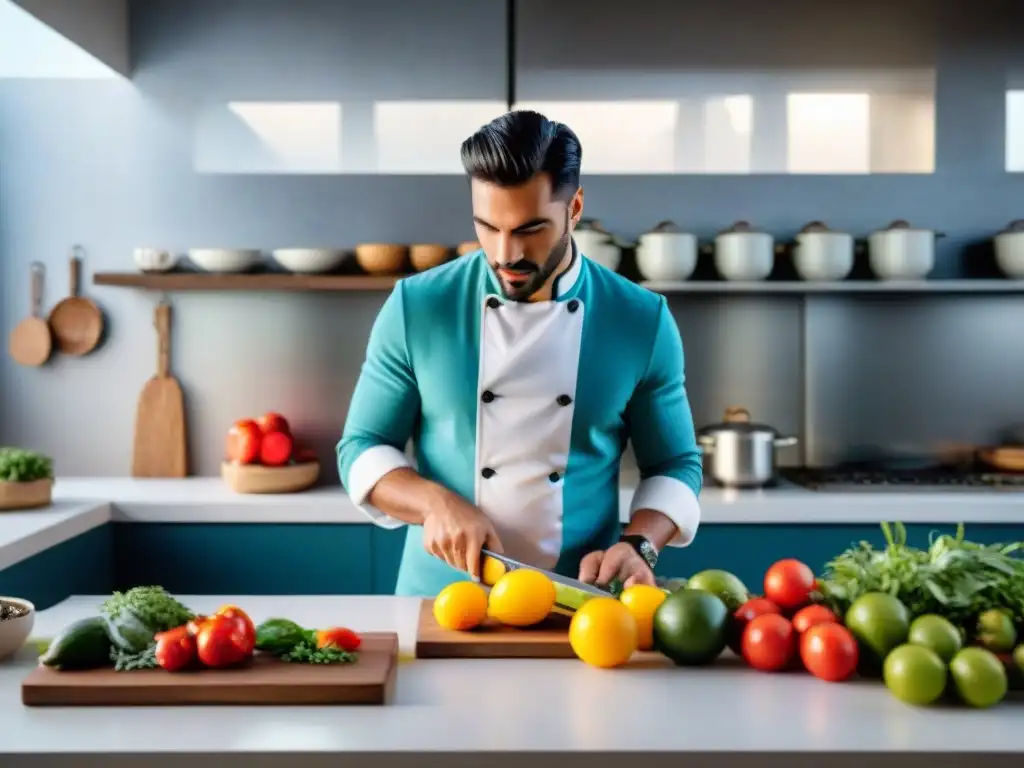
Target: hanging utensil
[76, 322]
[31, 342]
[160, 448]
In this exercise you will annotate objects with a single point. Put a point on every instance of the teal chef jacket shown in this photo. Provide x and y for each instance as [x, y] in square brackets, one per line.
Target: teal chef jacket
[525, 409]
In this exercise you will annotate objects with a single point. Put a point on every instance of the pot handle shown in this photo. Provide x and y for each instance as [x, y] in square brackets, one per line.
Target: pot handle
[785, 442]
[707, 442]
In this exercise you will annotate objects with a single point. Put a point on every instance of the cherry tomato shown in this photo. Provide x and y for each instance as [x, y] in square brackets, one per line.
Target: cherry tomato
[789, 583]
[340, 637]
[808, 617]
[241, 618]
[175, 649]
[273, 422]
[769, 642]
[243, 443]
[829, 652]
[222, 642]
[746, 613]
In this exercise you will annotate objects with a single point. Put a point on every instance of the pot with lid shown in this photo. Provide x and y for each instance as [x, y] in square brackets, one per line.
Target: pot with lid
[666, 253]
[901, 252]
[597, 243]
[822, 254]
[1009, 247]
[741, 454]
[743, 253]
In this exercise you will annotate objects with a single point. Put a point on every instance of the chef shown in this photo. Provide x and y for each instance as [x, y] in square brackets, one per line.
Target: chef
[520, 371]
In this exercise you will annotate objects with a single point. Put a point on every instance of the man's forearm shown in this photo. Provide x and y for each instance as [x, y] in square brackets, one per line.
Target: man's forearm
[405, 495]
[654, 526]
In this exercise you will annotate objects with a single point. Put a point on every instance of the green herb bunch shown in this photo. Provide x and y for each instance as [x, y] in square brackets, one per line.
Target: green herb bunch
[953, 577]
[153, 606]
[18, 465]
[307, 653]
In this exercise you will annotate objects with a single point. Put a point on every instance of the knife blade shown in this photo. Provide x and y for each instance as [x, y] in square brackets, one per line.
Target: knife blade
[570, 594]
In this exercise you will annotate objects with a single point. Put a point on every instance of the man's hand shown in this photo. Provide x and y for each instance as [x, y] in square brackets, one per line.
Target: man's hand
[619, 560]
[455, 531]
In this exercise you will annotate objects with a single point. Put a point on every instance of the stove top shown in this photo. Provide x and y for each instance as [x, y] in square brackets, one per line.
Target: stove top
[930, 480]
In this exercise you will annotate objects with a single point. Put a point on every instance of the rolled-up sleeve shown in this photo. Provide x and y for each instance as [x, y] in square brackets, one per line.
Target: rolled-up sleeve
[663, 437]
[383, 411]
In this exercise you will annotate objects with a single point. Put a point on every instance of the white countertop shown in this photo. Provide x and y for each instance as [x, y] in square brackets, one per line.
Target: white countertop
[81, 504]
[507, 705]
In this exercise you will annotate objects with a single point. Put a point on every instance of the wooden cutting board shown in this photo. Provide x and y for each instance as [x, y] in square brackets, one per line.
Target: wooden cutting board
[266, 681]
[549, 640]
[160, 448]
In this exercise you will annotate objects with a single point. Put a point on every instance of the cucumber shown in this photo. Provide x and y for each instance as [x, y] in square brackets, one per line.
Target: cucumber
[84, 644]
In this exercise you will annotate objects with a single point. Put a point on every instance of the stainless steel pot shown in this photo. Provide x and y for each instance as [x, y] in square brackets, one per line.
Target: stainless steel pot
[741, 454]
[666, 253]
[1009, 246]
[744, 254]
[597, 243]
[822, 254]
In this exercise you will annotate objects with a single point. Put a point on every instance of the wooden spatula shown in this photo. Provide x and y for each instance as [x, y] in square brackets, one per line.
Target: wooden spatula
[160, 440]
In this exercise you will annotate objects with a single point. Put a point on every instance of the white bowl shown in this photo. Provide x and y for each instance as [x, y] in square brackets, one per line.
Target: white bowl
[224, 259]
[309, 260]
[14, 632]
[154, 259]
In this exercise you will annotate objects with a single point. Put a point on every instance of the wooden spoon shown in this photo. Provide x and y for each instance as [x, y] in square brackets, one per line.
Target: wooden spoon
[76, 321]
[30, 342]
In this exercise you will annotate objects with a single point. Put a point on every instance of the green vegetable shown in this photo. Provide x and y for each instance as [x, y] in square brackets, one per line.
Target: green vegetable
[129, 662]
[134, 617]
[83, 644]
[278, 636]
[307, 653]
[953, 577]
[18, 465]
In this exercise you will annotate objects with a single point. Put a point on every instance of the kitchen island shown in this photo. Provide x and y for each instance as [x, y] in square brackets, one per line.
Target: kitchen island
[456, 713]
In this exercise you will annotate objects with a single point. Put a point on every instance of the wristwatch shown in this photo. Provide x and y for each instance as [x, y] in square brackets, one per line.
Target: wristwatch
[643, 547]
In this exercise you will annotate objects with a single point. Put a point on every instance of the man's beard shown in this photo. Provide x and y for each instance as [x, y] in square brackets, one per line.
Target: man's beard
[538, 274]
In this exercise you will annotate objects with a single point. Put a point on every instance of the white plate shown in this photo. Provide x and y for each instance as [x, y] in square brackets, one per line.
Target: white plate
[309, 260]
[224, 259]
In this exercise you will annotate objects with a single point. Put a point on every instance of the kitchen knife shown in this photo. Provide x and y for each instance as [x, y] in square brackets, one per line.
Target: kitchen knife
[570, 594]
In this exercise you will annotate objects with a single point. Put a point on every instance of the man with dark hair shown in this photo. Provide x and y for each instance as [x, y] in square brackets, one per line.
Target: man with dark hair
[520, 371]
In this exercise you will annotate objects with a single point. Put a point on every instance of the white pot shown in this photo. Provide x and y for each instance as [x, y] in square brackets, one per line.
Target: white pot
[900, 252]
[1009, 247]
[597, 244]
[742, 254]
[666, 254]
[823, 255]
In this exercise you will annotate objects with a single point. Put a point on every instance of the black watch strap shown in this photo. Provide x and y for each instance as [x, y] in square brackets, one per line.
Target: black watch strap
[643, 547]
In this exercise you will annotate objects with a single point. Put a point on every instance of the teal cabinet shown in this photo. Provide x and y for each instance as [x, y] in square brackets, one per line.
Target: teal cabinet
[748, 550]
[83, 565]
[242, 558]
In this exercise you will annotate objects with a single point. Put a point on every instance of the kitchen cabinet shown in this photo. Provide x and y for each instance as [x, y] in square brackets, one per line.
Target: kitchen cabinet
[83, 565]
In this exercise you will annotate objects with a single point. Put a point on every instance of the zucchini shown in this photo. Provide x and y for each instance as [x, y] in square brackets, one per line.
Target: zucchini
[83, 644]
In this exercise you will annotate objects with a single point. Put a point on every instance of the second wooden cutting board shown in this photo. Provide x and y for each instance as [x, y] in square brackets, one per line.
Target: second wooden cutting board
[549, 640]
[160, 448]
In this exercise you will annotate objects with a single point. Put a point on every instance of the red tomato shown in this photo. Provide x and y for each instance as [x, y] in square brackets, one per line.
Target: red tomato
[175, 649]
[243, 443]
[746, 613]
[273, 422]
[340, 637]
[276, 449]
[196, 624]
[769, 642]
[829, 652]
[241, 618]
[808, 617]
[222, 642]
[789, 583]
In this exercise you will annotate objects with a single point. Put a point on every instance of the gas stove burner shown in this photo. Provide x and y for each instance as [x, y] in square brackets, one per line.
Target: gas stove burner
[940, 479]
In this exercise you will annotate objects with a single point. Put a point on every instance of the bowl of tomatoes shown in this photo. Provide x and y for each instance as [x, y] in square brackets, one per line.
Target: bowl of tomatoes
[262, 457]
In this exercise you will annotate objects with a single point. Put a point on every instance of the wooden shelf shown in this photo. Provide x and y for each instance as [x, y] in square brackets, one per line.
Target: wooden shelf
[199, 281]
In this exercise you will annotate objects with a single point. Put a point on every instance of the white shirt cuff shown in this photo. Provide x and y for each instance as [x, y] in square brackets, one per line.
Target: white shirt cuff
[674, 499]
[367, 470]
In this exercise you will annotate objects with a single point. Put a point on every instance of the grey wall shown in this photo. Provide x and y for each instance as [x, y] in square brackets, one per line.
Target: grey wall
[109, 165]
[99, 26]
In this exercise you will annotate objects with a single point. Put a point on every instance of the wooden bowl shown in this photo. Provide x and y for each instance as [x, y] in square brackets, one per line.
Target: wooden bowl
[381, 258]
[31, 495]
[425, 256]
[467, 247]
[1004, 459]
[255, 478]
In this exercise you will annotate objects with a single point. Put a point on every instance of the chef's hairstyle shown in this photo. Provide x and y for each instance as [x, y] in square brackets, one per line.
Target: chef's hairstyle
[512, 149]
